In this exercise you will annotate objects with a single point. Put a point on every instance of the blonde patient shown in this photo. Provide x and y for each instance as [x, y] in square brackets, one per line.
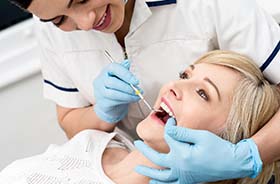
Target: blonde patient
[223, 92]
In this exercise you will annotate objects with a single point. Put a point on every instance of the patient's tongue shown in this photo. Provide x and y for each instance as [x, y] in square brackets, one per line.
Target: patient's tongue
[160, 114]
[165, 118]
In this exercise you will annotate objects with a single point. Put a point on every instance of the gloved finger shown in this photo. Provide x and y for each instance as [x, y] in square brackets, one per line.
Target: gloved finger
[185, 134]
[170, 122]
[107, 117]
[156, 157]
[119, 85]
[126, 63]
[112, 98]
[116, 69]
[175, 147]
[157, 174]
[169, 140]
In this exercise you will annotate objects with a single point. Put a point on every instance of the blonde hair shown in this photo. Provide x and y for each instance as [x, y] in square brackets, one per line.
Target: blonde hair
[254, 103]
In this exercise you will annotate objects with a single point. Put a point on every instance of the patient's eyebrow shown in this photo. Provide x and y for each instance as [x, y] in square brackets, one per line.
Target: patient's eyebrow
[49, 20]
[210, 82]
[192, 67]
[213, 84]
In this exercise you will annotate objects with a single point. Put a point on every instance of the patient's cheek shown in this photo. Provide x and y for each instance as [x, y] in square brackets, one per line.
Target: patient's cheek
[145, 131]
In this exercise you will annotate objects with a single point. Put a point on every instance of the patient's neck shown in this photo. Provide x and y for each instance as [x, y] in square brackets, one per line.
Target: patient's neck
[119, 165]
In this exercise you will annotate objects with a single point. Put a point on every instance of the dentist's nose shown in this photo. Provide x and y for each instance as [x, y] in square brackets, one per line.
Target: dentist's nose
[85, 21]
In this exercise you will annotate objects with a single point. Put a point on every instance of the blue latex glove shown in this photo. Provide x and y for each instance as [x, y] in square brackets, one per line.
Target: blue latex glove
[113, 93]
[200, 156]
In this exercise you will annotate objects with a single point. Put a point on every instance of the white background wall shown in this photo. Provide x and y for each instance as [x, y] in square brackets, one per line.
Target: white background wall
[28, 122]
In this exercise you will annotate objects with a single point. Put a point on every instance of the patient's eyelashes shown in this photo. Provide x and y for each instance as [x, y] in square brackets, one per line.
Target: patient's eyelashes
[183, 75]
[202, 94]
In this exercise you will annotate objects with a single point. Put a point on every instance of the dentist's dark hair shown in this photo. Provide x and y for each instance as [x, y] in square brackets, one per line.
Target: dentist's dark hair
[24, 4]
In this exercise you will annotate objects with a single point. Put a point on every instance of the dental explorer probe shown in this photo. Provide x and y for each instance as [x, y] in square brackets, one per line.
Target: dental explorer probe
[137, 92]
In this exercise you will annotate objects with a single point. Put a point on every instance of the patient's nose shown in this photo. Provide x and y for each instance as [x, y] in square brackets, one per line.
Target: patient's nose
[175, 91]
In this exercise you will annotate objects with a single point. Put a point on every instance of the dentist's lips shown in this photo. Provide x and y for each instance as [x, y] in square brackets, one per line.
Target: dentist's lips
[104, 21]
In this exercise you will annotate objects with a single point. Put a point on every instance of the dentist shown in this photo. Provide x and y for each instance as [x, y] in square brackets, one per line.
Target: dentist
[159, 37]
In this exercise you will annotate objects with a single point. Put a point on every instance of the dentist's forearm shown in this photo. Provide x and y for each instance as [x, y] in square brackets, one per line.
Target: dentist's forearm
[268, 140]
[72, 121]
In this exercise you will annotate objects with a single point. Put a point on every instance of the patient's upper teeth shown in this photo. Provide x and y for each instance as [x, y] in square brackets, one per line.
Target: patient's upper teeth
[170, 114]
[166, 109]
[164, 106]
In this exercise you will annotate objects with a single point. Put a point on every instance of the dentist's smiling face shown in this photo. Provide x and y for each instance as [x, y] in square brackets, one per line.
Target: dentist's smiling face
[102, 15]
[200, 100]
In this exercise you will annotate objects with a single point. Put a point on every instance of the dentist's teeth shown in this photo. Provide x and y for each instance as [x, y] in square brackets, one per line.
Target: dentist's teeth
[102, 20]
[166, 109]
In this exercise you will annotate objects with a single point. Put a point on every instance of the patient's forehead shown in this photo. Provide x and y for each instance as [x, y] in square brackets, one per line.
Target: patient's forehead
[214, 70]
[226, 79]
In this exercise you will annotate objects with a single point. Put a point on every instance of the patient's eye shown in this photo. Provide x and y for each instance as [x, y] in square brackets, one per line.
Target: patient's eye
[183, 75]
[202, 94]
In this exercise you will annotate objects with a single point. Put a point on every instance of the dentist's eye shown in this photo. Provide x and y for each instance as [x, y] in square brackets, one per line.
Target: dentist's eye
[82, 1]
[59, 21]
[183, 75]
[202, 94]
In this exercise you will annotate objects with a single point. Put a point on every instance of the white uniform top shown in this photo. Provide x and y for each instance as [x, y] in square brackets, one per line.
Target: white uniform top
[79, 161]
[164, 38]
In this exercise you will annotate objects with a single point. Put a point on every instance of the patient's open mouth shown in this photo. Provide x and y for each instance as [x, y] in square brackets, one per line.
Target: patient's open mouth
[165, 114]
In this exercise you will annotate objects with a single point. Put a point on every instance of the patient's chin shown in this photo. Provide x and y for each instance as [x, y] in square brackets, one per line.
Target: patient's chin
[152, 135]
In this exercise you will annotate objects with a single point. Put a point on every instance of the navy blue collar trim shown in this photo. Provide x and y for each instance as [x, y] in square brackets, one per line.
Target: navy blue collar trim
[61, 88]
[271, 57]
[161, 3]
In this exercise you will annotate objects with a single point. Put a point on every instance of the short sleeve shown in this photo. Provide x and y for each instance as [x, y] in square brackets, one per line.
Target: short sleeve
[244, 27]
[271, 66]
[57, 86]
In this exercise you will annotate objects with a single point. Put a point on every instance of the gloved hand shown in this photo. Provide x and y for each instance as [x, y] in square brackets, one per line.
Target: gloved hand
[113, 93]
[200, 156]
